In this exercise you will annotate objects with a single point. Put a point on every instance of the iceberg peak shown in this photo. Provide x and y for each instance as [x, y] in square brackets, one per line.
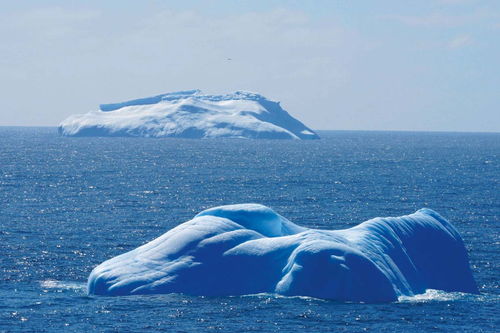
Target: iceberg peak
[190, 114]
[172, 96]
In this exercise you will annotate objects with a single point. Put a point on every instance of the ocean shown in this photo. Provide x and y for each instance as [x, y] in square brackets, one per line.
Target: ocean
[68, 204]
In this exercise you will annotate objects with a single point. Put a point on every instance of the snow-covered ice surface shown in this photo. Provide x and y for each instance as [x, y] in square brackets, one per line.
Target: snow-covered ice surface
[250, 249]
[190, 114]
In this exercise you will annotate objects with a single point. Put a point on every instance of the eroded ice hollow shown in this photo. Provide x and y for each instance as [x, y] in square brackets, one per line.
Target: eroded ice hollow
[249, 249]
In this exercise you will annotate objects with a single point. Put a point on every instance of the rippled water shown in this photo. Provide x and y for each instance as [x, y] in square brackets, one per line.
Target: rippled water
[67, 204]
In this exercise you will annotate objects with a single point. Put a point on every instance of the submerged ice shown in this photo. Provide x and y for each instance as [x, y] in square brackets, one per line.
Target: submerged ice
[190, 114]
[249, 249]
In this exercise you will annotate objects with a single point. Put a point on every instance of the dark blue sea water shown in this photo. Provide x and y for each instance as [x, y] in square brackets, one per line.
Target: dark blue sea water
[67, 204]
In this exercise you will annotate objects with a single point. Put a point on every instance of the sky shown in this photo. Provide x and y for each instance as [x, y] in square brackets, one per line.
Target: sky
[418, 65]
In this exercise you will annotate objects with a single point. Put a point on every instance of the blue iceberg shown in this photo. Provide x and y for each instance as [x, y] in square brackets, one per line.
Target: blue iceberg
[190, 114]
[250, 249]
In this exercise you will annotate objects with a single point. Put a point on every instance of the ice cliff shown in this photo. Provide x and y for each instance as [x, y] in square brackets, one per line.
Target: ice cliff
[190, 114]
[249, 249]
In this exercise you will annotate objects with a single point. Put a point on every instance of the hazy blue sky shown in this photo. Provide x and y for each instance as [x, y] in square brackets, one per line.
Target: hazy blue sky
[334, 64]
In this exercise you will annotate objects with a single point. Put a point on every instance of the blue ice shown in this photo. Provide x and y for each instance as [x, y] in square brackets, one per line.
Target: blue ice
[249, 249]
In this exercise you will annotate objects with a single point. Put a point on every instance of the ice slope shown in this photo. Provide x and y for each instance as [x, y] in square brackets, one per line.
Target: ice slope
[190, 114]
[248, 249]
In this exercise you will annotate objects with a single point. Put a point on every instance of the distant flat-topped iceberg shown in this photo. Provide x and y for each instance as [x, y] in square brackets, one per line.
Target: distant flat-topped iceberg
[190, 114]
[250, 249]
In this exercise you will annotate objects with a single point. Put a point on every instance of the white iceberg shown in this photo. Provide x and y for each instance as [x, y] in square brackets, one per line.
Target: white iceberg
[190, 114]
[249, 249]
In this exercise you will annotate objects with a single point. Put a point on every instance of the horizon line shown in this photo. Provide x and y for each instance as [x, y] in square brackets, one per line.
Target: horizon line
[321, 130]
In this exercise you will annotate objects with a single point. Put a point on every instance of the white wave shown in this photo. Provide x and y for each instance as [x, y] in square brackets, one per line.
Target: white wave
[65, 285]
[431, 295]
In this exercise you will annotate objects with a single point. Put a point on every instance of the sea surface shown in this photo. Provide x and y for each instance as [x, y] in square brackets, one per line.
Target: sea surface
[67, 204]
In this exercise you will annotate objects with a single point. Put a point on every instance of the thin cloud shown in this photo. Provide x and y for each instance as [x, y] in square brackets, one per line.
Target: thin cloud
[460, 41]
[49, 22]
[431, 20]
[454, 2]
[51, 16]
[444, 20]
